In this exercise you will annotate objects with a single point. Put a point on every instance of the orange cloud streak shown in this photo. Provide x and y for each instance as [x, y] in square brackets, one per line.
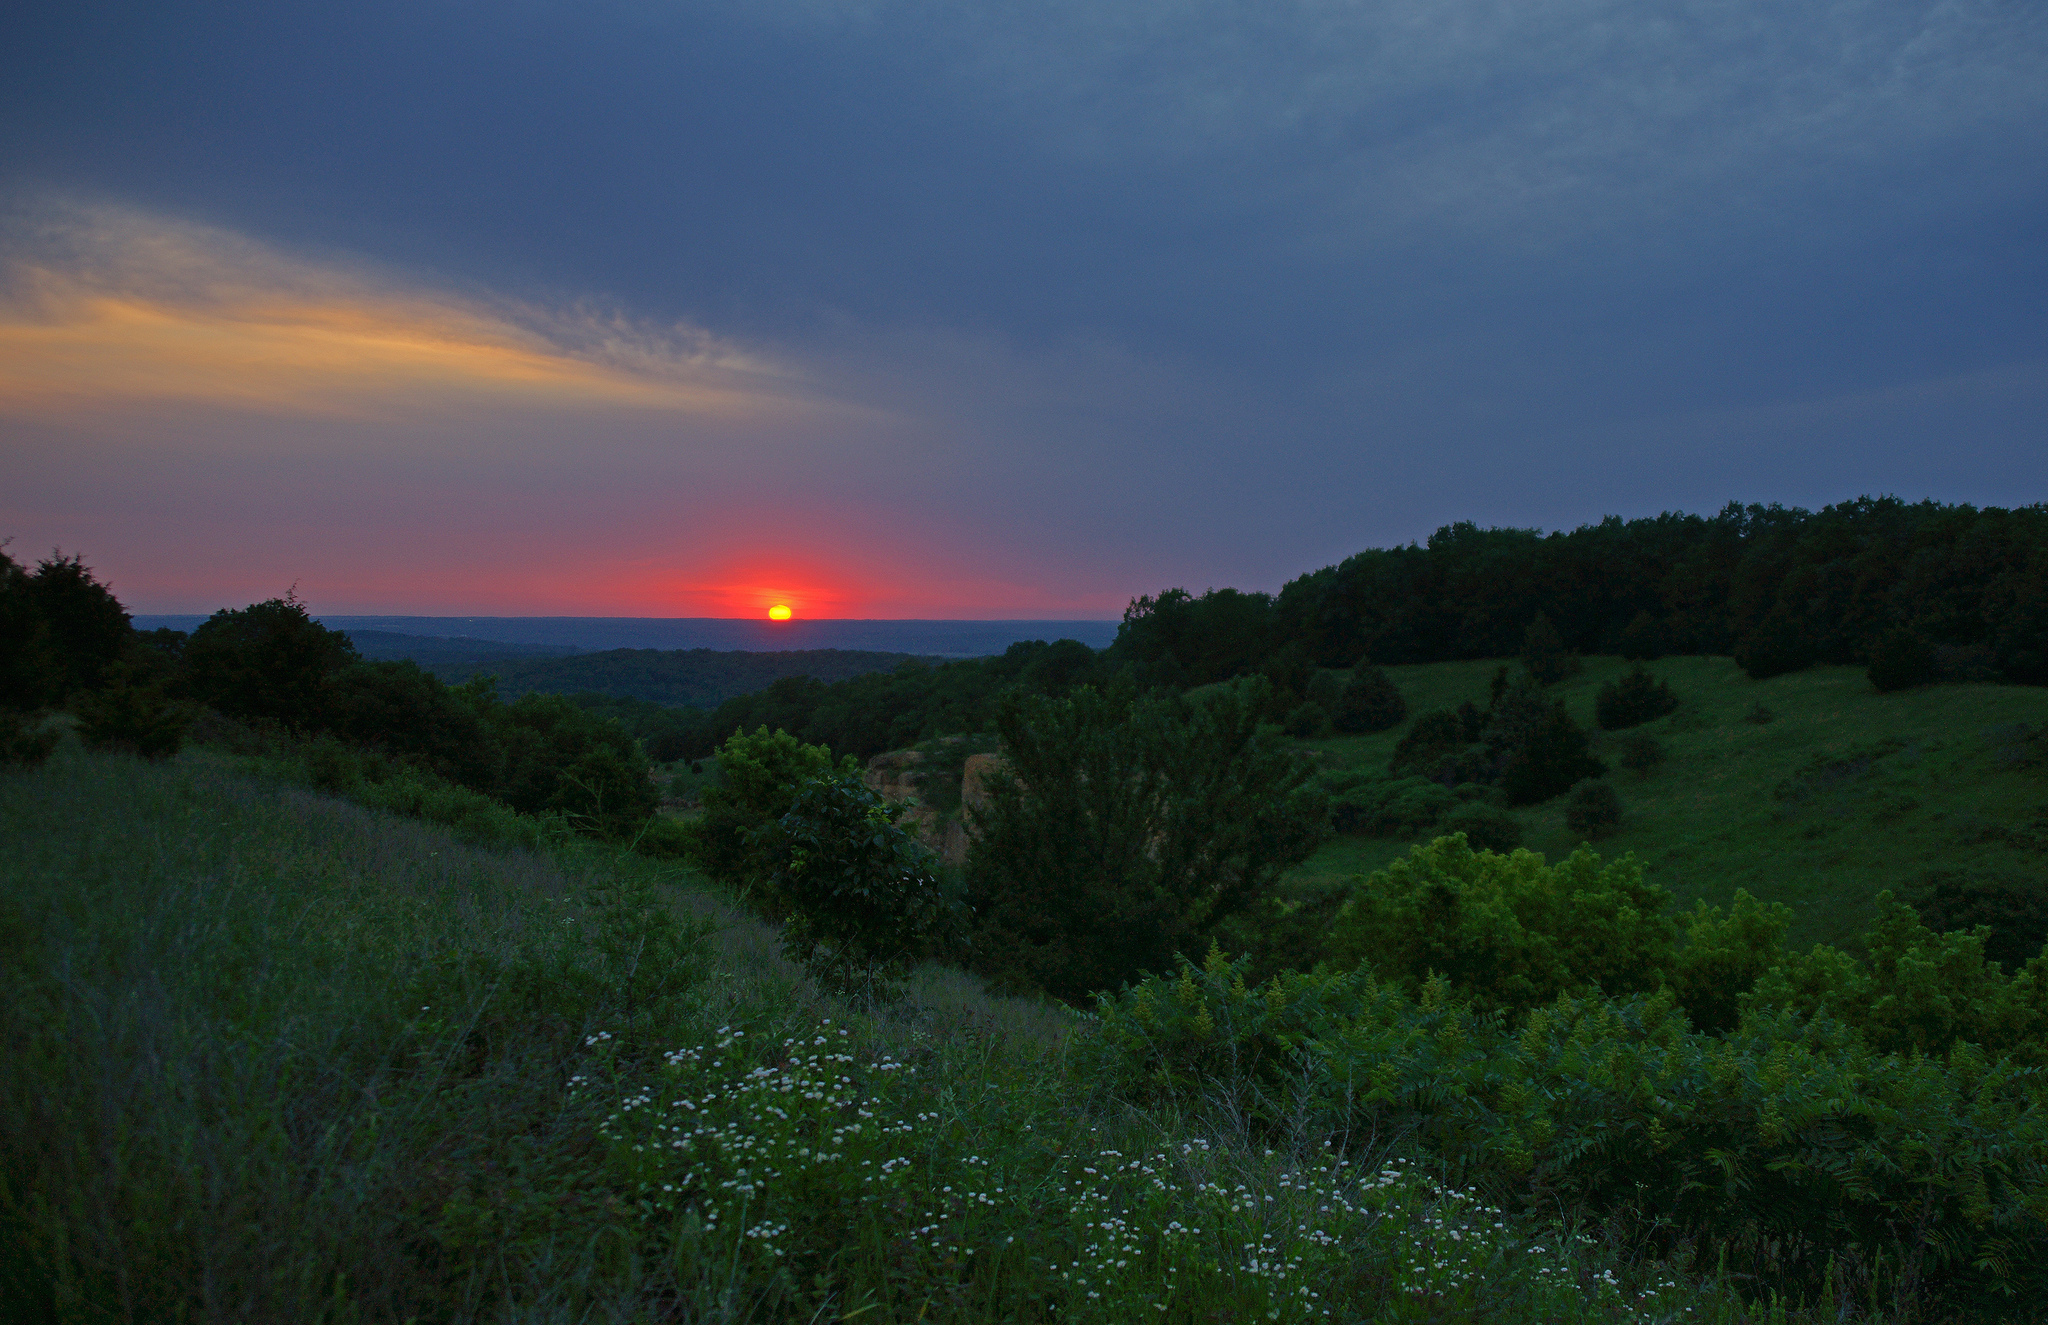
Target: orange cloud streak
[130, 309]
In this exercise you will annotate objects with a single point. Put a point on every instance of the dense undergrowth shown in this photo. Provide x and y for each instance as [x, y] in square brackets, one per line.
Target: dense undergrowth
[274, 1056]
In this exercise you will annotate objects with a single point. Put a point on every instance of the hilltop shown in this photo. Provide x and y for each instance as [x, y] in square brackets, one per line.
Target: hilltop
[1844, 792]
[693, 678]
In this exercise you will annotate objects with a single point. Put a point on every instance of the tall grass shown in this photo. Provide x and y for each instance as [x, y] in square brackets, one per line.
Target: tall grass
[271, 1056]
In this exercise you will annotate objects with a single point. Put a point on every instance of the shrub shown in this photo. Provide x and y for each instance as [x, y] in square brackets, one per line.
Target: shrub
[1325, 689]
[1369, 702]
[1486, 827]
[1306, 720]
[1508, 931]
[1642, 754]
[1594, 810]
[1913, 990]
[1724, 954]
[1632, 699]
[30, 670]
[1759, 715]
[1547, 759]
[558, 759]
[1434, 736]
[1901, 660]
[269, 662]
[26, 738]
[863, 897]
[2015, 911]
[1774, 646]
[1774, 1149]
[1544, 653]
[1644, 638]
[1372, 804]
[138, 719]
[1123, 830]
[88, 630]
[759, 778]
[403, 711]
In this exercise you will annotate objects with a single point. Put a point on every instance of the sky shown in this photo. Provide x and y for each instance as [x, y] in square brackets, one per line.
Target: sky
[987, 308]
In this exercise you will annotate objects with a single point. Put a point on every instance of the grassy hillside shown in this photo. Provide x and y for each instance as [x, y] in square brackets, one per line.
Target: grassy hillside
[698, 678]
[272, 1056]
[1843, 793]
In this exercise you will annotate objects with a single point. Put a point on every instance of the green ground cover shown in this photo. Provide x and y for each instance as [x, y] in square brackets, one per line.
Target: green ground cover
[276, 1056]
[1844, 793]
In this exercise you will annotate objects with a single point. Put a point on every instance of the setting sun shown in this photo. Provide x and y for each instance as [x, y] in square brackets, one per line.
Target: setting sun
[779, 612]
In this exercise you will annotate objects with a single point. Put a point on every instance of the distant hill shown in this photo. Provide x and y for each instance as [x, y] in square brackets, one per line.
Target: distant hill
[393, 646]
[698, 678]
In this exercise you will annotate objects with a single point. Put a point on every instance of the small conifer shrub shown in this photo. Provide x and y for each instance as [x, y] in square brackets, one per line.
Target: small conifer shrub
[1305, 721]
[1594, 810]
[1642, 754]
[1632, 700]
[1900, 661]
[1369, 702]
[1544, 652]
[1486, 827]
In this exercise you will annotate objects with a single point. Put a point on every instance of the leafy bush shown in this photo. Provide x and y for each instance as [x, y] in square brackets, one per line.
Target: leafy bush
[1594, 810]
[1901, 660]
[139, 719]
[1776, 645]
[557, 759]
[1307, 720]
[1632, 699]
[760, 774]
[1644, 638]
[1546, 759]
[87, 629]
[1508, 931]
[1915, 991]
[269, 662]
[1436, 736]
[2014, 910]
[1369, 702]
[863, 897]
[1778, 1147]
[1123, 830]
[26, 738]
[1642, 754]
[1544, 653]
[1485, 827]
[1372, 804]
[1724, 954]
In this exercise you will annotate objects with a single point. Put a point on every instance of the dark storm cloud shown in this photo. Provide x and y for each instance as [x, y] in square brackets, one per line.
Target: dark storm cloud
[1228, 287]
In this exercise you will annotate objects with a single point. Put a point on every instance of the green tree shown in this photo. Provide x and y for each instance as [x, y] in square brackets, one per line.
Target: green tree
[758, 779]
[88, 628]
[30, 673]
[556, 757]
[269, 662]
[1369, 702]
[1122, 830]
[862, 898]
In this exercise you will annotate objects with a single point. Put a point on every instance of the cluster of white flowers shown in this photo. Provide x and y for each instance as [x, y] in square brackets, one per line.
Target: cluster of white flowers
[739, 1147]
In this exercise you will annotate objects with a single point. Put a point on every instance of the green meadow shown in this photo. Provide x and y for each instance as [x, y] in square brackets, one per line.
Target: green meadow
[275, 1056]
[1842, 794]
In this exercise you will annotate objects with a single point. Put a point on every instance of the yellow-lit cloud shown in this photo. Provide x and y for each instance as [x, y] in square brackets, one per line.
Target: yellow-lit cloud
[107, 307]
